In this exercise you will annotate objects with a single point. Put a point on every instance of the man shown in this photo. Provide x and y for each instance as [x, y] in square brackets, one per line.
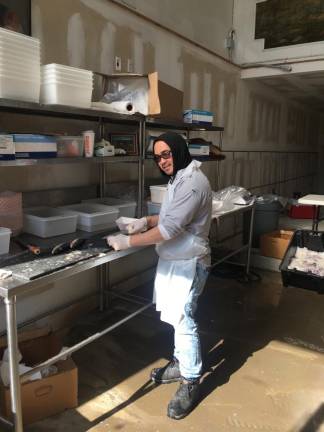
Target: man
[180, 232]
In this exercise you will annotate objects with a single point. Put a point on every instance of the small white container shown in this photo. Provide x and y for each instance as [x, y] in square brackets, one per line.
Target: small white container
[49, 222]
[126, 208]
[153, 208]
[4, 240]
[64, 68]
[69, 146]
[89, 139]
[61, 75]
[157, 193]
[60, 93]
[94, 217]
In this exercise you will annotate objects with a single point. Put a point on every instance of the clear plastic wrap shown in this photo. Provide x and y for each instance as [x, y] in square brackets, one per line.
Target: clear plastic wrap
[225, 199]
[133, 92]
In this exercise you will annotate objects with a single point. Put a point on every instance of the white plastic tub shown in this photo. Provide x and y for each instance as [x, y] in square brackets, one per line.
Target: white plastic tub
[4, 240]
[66, 94]
[49, 222]
[70, 69]
[157, 193]
[94, 217]
[19, 89]
[126, 208]
[10, 35]
[66, 76]
[15, 71]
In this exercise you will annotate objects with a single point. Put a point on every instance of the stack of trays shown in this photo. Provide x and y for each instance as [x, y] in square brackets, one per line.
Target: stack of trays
[19, 66]
[66, 85]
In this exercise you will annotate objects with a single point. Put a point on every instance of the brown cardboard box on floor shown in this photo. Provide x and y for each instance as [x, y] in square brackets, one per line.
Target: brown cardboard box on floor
[275, 243]
[47, 396]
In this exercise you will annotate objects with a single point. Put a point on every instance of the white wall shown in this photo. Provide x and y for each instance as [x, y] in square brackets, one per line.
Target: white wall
[207, 23]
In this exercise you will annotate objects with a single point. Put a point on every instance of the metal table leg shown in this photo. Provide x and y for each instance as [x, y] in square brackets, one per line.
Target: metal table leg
[10, 305]
[248, 259]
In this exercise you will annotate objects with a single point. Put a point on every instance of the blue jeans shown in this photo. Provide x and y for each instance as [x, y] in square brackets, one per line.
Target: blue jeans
[186, 337]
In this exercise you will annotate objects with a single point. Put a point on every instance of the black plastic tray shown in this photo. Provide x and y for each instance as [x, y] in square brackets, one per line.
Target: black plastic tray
[313, 240]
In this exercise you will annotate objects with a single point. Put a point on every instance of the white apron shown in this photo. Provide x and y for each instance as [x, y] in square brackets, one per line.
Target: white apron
[177, 265]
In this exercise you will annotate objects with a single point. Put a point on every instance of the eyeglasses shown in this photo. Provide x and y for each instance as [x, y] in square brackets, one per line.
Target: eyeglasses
[166, 154]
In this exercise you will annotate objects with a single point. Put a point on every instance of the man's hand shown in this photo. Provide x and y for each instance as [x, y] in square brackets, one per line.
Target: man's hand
[139, 225]
[118, 242]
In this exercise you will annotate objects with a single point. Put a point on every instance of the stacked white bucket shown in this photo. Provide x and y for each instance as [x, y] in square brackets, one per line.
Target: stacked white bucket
[19, 66]
[66, 85]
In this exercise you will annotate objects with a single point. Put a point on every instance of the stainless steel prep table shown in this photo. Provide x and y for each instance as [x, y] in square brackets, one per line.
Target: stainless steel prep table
[238, 209]
[12, 288]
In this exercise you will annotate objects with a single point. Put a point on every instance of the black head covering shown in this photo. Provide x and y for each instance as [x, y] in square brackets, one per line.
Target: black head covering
[179, 149]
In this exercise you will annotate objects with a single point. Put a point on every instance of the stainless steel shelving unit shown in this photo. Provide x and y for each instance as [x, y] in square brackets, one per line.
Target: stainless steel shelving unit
[12, 289]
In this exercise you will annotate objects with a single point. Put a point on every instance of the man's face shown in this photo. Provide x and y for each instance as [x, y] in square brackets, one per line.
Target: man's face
[163, 157]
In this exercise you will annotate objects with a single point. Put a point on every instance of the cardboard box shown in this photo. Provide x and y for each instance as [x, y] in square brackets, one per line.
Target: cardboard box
[146, 85]
[171, 102]
[50, 395]
[160, 99]
[275, 244]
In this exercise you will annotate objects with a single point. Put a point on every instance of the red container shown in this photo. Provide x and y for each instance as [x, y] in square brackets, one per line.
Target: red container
[301, 211]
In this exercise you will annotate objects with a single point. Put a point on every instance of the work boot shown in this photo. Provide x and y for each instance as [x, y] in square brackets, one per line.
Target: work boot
[167, 374]
[184, 400]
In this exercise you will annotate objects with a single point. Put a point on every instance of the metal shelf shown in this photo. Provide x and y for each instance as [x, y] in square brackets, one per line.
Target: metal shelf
[68, 111]
[162, 124]
[69, 160]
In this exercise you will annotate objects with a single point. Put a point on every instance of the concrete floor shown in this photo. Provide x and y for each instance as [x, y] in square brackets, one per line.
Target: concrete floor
[264, 361]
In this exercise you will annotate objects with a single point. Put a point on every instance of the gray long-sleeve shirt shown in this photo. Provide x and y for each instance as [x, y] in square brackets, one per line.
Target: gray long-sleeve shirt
[191, 206]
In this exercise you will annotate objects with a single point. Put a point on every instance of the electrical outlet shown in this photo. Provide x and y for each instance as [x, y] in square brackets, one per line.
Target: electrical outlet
[117, 64]
[130, 66]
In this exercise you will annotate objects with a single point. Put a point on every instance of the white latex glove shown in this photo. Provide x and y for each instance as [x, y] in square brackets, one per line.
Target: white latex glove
[118, 242]
[137, 226]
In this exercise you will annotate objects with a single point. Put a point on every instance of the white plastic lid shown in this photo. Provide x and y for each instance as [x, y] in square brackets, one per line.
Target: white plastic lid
[4, 230]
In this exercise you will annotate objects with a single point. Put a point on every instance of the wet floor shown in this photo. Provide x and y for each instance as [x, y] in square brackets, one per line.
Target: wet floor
[264, 365]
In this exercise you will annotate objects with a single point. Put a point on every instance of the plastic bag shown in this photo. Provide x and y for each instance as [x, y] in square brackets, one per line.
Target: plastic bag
[225, 199]
[134, 92]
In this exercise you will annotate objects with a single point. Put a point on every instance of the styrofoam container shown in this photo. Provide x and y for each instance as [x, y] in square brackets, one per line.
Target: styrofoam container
[4, 240]
[157, 193]
[126, 208]
[153, 208]
[65, 94]
[19, 89]
[69, 146]
[49, 222]
[94, 217]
